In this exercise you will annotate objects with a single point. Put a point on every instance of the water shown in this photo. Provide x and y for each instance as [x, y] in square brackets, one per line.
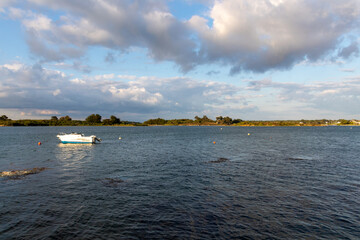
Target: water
[175, 183]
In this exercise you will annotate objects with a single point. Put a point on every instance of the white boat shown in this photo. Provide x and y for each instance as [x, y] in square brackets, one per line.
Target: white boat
[77, 138]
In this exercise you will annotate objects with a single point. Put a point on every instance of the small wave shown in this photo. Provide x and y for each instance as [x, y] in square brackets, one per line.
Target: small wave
[299, 158]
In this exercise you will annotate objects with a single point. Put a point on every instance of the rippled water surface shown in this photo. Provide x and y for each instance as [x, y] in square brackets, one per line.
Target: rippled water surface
[176, 183]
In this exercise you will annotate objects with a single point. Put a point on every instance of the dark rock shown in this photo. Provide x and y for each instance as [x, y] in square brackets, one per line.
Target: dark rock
[15, 174]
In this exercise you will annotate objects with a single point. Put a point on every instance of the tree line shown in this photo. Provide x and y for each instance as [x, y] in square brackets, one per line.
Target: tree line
[97, 120]
[91, 120]
[220, 120]
[196, 121]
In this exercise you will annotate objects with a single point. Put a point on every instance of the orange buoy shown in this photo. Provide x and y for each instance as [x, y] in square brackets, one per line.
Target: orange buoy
[39, 143]
[214, 142]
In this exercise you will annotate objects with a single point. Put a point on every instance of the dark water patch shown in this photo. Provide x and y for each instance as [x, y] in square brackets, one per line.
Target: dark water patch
[111, 182]
[299, 159]
[219, 160]
[340, 187]
[295, 159]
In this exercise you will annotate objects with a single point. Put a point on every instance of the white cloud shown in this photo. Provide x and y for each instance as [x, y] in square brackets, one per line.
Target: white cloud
[77, 81]
[104, 76]
[246, 35]
[56, 92]
[38, 23]
[15, 13]
[25, 87]
[335, 98]
[262, 35]
[137, 94]
[38, 91]
[46, 112]
[111, 24]
[13, 66]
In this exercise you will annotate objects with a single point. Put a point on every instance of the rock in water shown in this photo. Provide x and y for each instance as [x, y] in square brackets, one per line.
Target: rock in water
[111, 182]
[20, 173]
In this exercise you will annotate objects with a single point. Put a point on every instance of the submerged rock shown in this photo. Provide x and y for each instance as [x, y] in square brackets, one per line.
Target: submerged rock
[19, 173]
[295, 159]
[219, 160]
[111, 182]
[299, 158]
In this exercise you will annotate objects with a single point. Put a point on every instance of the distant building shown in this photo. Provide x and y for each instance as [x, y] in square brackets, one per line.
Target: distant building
[354, 121]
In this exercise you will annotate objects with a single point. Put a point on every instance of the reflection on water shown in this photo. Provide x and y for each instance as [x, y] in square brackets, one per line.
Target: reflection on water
[74, 154]
[75, 146]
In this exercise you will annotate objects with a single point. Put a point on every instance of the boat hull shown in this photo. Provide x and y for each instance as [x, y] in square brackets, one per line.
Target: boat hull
[77, 139]
[72, 142]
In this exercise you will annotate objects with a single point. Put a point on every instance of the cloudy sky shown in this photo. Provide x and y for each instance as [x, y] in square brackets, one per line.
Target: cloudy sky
[141, 59]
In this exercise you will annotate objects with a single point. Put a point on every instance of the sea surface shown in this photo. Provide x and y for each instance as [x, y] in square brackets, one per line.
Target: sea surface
[182, 183]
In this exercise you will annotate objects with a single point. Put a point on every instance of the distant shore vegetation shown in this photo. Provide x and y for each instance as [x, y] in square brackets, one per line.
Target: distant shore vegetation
[91, 120]
[97, 120]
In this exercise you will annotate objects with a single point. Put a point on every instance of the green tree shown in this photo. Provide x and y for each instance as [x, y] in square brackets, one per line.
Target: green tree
[114, 120]
[237, 120]
[4, 118]
[197, 119]
[227, 120]
[205, 119]
[106, 122]
[224, 120]
[344, 121]
[157, 121]
[65, 119]
[93, 119]
[219, 120]
[53, 121]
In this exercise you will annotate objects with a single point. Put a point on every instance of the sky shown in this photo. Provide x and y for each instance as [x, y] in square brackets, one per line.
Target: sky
[143, 59]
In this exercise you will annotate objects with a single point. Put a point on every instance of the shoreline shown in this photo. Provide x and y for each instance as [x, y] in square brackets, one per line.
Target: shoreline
[187, 125]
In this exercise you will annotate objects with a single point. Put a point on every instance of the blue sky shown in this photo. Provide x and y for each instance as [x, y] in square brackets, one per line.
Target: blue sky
[141, 59]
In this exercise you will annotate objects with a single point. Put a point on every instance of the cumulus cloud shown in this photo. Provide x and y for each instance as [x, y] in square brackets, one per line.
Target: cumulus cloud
[245, 35]
[117, 25]
[268, 34]
[43, 91]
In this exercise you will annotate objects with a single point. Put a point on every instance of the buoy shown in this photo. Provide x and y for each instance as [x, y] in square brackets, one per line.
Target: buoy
[214, 142]
[39, 143]
[119, 138]
[248, 134]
